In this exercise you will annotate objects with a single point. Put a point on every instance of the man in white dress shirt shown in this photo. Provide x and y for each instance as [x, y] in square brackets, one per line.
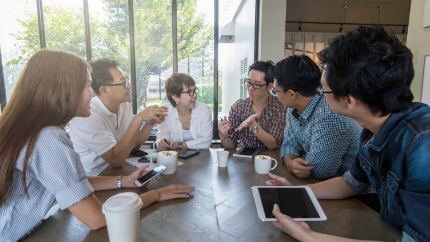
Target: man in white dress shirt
[112, 131]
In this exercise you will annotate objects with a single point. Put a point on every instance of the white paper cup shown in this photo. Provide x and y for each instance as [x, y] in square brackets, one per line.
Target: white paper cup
[222, 157]
[169, 161]
[263, 164]
[122, 213]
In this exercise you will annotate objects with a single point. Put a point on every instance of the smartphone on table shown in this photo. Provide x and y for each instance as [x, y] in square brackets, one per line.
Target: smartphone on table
[150, 175]
[138, 153]
[188, 154]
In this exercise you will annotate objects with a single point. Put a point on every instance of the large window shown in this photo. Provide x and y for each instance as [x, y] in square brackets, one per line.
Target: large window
[109, 28]
[63, 25]
[19, 38]
[196, 46]
[154, 50]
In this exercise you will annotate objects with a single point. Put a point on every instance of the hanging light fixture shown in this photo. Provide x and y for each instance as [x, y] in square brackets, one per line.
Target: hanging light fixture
[344, 17]
[300, 27]
[379, 14]
[404, 29]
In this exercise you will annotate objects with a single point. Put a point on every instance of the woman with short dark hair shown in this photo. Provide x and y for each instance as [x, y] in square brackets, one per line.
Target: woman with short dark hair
[38, 165]
[189, 123]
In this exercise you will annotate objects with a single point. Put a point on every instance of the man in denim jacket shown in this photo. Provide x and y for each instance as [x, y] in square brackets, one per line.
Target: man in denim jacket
[367, 77]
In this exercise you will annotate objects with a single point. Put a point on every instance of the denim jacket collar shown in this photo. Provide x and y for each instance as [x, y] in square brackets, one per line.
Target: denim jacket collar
[384, 133]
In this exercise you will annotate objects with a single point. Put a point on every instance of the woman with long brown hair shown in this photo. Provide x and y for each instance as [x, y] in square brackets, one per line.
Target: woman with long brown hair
[38, 165]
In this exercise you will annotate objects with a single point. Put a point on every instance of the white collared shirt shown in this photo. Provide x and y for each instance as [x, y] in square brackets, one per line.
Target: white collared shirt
[100, 132]
[200, 127]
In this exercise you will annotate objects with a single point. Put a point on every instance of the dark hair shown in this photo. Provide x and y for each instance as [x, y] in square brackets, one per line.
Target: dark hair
[298, 73]
[175, 85]
[263, 66]
[101, 74]
[372, 66]
[47, 94]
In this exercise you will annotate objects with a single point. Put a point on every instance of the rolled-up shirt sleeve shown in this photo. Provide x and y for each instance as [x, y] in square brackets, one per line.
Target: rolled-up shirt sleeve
[355, 184]
[58, 167]
[356, 177]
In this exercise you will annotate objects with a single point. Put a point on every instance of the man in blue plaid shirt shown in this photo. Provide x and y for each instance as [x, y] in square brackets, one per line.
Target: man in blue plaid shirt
[317, 141]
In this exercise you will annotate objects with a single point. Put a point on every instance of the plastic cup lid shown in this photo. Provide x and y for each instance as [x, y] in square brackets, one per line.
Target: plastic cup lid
[122, 202]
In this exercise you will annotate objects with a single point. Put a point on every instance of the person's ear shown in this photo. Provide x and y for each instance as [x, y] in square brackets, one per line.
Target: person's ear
[270, 86]
[292, 94]
[351, 102]
[176, 98]
[104, 92]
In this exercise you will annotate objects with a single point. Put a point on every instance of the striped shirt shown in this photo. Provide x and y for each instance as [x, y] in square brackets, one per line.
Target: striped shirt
[330, 141]
[54, 173]
[272, 120]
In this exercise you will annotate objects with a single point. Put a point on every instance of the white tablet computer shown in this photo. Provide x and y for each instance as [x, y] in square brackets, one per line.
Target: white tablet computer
[298, 202]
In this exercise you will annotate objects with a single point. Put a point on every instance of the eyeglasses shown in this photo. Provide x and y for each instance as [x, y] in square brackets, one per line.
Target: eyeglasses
[274, 92]
[255, 86]
[125, 84]
[322, 92]
[191, 92]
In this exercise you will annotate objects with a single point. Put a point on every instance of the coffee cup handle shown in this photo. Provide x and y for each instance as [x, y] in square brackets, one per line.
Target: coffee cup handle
[276, 163]
[150, 161]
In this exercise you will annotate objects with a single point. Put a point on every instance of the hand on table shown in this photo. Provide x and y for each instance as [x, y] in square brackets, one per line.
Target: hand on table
[128, 181]
[300, 168]
[249, 122]
[223, 127]
[162, 145]
[174, 191]
[277, 181]
[285, 223]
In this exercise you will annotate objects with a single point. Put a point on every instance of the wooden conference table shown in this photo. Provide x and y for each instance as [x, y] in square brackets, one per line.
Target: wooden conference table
[220, 209]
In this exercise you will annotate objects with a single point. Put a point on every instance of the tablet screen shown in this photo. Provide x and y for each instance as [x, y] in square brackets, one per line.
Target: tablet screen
[295, 203]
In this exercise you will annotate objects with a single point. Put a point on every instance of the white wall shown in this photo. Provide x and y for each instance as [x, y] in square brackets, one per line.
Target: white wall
[418, 39]
[271, 44]
[272, 30]
[241, 46]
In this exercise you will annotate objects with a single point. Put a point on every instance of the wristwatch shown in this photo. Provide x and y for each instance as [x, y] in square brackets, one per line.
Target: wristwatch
[150, 123]
[179, 146]
[118, 182]
[255, 129]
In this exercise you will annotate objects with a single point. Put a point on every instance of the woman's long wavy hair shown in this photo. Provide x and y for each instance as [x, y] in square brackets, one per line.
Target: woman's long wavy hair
[47, 94]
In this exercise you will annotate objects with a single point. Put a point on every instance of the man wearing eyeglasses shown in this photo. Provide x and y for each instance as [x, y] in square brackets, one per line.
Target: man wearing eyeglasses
[317, 141]
[369, 74]
[111, 132]
[259, 120]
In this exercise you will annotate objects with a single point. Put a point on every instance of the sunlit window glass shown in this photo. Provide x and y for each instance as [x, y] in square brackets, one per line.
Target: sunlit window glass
[19, 38]
[65, 26]
[196, 47]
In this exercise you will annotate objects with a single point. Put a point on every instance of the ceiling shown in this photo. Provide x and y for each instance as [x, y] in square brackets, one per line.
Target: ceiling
[358, 11]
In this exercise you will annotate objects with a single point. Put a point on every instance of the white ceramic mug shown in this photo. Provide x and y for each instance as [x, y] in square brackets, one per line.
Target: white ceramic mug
[122, 213]
[263, 163]
[169, 159]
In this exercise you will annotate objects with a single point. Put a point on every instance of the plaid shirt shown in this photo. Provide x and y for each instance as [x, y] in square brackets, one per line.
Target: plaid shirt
[331, 141]
[272, 120]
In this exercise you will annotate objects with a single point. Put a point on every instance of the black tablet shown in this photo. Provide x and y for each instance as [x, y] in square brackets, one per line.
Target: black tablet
[298, 202]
